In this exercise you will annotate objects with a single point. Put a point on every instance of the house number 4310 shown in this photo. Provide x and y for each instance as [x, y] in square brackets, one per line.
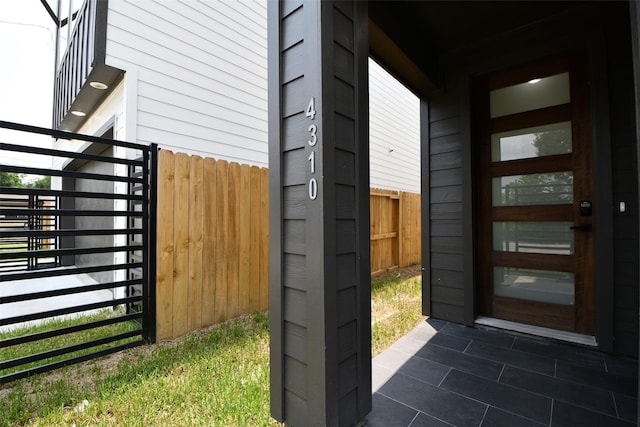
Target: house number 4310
[313, 140]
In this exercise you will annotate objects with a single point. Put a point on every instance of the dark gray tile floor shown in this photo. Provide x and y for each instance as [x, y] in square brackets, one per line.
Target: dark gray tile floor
[443, 374]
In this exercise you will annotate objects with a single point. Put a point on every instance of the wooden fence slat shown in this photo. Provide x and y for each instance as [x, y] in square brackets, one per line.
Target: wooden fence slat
[410, 233]
[165, 246]
[181, 253]
[264, 239]
[210, 223]
[233, 242]
[244, 280]
[195, 243]
[222, 233]
[255, 250]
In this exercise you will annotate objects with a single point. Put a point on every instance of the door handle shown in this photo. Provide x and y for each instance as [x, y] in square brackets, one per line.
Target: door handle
[582, 227]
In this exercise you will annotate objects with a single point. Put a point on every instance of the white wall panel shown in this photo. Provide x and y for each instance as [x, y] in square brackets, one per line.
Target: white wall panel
[394, 132]
[201, 74]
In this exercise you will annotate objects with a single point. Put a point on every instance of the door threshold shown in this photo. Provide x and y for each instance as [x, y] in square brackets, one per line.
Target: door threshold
[538, 331]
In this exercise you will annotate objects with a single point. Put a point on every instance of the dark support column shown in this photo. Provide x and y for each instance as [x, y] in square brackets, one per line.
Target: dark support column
[635, 42]
[319, 213]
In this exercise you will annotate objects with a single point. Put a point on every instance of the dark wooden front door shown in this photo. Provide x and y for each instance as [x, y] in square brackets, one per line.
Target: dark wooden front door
[535, 248]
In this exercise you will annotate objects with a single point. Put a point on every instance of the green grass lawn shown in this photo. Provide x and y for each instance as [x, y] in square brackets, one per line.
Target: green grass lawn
[214, 377]
[396, 307]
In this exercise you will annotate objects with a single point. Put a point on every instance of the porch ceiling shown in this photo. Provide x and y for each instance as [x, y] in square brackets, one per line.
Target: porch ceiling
[423, 31]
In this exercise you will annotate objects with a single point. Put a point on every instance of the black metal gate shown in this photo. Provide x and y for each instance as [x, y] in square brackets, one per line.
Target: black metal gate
[77, 261]
[27, 234]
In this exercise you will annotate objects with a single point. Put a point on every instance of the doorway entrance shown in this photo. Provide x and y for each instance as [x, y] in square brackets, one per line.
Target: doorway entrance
[535, 246]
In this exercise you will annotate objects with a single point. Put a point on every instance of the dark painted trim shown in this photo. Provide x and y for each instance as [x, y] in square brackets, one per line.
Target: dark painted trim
[363, 217]
[602, 191]
[635, 43]
[425, 205]
[102, 8]
[321, 243]
[468, 193]
[275, 214]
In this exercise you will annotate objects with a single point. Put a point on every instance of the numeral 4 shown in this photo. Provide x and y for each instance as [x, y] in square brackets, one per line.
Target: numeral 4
[311, 108]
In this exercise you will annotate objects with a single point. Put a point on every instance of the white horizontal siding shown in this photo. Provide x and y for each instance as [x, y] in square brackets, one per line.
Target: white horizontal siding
[202, 74]
[201, 88]
[394, 132]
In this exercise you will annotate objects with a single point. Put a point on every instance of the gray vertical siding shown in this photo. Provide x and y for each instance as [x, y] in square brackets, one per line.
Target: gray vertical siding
[320, 293]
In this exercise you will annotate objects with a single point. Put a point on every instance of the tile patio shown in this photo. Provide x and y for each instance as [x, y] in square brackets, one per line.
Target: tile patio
[444, 374]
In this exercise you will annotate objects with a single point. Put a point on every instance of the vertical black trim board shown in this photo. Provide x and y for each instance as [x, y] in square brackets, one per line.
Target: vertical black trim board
[425, 206]
[153, 234]
[275, 214]
[468, 234]
[635, 43]
[602, 189]
[361, 46]
[102, 8]
[319, 244]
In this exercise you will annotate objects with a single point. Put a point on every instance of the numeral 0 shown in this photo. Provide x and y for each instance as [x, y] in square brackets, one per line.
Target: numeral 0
[313, 189]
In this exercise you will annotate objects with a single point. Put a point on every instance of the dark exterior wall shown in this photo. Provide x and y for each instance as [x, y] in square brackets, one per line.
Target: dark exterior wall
[446, 193]
[625, 188]
[602, 31]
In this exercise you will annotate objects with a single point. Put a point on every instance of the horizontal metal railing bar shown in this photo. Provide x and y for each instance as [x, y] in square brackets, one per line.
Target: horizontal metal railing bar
[69, 349]
[69, 174]
[67, 232]
[67, 212]
[23, 339]
[63, 193]
[67, 272]
[83, 358]
[7, 241]
[67, 135]
[68, 154]
[64, 252]
[68, 310]
[67, 291]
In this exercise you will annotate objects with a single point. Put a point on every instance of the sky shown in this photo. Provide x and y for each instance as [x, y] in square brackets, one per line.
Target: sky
[27, 40]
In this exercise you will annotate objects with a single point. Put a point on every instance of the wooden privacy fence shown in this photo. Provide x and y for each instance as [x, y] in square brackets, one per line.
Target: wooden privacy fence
[395, 230]
[212, 242]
